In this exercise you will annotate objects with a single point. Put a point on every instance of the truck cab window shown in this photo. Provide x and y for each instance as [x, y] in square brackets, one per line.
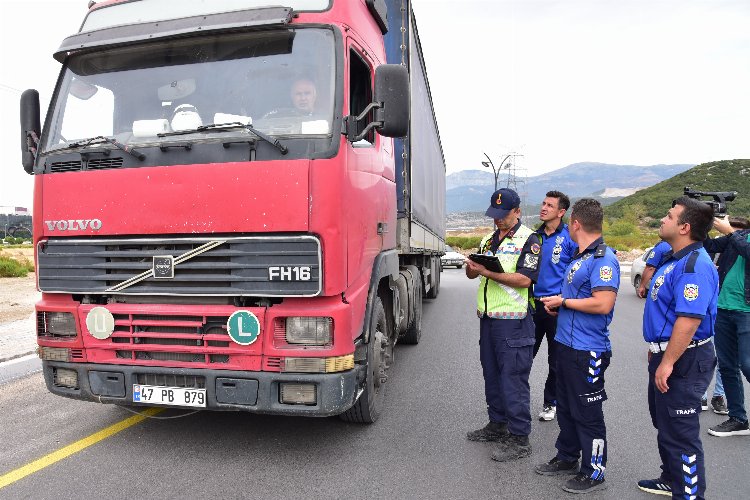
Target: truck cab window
[360, 93]
[280, 81]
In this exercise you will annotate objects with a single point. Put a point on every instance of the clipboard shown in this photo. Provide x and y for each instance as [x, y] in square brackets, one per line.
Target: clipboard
[491, 262]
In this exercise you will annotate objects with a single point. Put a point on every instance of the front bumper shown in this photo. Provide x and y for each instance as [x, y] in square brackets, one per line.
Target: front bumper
[336, 392]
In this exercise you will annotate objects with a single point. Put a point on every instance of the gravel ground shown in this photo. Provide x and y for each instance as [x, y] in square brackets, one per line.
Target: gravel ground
[18, 295]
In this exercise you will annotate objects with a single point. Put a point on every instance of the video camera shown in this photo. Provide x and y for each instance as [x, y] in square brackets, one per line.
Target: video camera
[720, 199]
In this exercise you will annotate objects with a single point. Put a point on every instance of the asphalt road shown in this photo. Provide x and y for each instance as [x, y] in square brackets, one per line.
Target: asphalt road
[416, 450]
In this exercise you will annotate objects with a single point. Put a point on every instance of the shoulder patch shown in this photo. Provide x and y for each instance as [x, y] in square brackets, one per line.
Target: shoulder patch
[601, 250]
[690, 292]
[690, 266]
[535, 248]
[605, 273]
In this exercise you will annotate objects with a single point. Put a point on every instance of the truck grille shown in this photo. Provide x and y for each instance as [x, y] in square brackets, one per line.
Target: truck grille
[227, 267]
[180, 338]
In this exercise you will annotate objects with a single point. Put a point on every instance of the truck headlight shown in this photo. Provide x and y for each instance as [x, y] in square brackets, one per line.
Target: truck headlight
[56, 324]
[304, 330]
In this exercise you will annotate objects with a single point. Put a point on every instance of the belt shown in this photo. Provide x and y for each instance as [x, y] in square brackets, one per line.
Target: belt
[656, 347]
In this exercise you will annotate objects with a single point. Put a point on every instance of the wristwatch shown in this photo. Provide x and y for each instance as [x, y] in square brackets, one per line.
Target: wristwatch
[563, 303]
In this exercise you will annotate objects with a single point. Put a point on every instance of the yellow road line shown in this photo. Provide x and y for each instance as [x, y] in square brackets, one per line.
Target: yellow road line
[47, 460]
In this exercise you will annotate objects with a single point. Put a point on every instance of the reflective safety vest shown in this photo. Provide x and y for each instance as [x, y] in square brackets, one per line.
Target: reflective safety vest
[494, 299]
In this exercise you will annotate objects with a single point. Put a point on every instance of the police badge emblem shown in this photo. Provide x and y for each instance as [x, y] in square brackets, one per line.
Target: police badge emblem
[655, 288]
[605, 273]
[575, 267]
[556, 251]
[690, 292]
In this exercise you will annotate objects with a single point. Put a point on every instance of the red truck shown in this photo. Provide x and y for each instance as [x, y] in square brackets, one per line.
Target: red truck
[236, 207]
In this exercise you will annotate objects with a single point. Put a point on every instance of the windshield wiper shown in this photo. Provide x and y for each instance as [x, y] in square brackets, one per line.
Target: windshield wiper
[100, 138]
[230, 126]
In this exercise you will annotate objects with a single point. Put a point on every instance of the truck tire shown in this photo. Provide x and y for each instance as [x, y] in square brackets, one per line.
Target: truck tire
[414, 330]
[435, 289]
[368, 407]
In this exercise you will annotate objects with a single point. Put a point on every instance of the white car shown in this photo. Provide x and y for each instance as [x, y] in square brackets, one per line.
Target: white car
[636, 272]
[451, 258]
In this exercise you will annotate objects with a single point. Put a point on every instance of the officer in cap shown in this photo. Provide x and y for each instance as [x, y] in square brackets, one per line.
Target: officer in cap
[678, 323]
[506, 327]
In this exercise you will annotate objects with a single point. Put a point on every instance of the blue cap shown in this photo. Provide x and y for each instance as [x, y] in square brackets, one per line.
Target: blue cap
[502, 202]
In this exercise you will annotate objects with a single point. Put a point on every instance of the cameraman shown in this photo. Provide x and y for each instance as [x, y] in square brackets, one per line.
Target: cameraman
[732, 322]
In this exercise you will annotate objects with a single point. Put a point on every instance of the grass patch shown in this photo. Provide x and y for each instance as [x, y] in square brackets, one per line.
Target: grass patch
[12, 268]
[464, 242]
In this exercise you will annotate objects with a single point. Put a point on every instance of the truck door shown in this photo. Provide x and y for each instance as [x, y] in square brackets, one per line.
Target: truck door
[369, 170]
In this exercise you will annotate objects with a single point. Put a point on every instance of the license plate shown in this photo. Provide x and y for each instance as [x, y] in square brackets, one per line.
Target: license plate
[174, 396]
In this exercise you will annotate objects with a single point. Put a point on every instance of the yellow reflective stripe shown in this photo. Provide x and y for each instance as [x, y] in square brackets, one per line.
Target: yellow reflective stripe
[80, 445]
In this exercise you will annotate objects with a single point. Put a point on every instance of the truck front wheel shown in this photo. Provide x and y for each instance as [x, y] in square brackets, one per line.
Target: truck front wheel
[379, 353]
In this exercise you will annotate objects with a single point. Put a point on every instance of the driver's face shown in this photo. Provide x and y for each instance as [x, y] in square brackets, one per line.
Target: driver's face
[303, 95]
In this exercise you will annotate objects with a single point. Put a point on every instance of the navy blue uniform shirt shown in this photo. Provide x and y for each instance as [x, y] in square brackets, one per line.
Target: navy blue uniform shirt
[594, 269]
[557, 252]
[686, 284]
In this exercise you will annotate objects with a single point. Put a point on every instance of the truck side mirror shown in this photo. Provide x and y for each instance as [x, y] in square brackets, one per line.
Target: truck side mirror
[392, 91]
[31, 130]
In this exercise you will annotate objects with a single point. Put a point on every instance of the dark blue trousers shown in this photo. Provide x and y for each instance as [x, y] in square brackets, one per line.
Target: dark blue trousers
[675, 416]
[505, 350]
[732, 342]
[546, 326]
[580, 394]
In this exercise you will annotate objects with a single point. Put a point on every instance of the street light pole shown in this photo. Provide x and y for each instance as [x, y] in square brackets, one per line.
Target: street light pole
[489, 164]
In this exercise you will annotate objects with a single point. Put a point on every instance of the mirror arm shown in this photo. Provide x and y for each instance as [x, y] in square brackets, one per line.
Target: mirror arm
[370, 107]
[367, 129]
[349, 122]
[32, 142]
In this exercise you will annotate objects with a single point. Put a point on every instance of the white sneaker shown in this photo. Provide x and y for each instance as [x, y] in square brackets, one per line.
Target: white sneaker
[548, 413]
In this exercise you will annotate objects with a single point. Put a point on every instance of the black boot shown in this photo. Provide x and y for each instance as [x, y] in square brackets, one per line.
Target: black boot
[512, 448]
[556, 467]
[493, 431]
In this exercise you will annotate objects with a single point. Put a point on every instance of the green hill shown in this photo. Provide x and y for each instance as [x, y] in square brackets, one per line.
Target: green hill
[651, 204]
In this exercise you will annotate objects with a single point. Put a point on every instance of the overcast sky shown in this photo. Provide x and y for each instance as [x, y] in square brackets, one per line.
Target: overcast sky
[637, 82]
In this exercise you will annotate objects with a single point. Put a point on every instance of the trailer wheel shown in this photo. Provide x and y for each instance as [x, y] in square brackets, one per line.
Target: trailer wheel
[435, 288]
[368, 407]
[414, 330]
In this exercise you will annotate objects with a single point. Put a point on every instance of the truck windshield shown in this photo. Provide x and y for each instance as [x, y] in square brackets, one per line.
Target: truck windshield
[279, 81]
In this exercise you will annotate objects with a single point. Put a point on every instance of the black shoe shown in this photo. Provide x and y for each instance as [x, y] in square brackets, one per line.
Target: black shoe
[704, 404]
[655, 486]
[493, 431]
[557, 467]
[512, 448]
[731, 427]
[583, 484]
[719, 405]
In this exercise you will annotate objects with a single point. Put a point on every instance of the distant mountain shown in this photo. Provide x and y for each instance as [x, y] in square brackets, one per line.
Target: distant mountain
[726, 175]
[469, 190]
